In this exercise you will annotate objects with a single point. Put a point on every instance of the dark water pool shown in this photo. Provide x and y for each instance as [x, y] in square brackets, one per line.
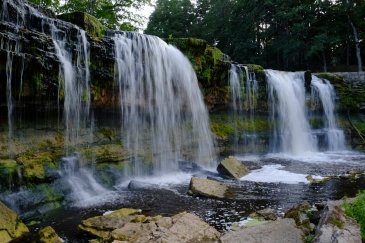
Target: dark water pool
[168, 195]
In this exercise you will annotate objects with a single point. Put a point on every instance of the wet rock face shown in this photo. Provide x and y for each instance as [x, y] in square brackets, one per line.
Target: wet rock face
[27, 33]
[11, 227]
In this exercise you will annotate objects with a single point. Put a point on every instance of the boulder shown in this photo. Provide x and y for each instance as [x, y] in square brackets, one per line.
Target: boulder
[183, 227]
[300, 215]
[267, 214]
[282, 230]
[11, 227]
[48, 235]
[335, 226]
[101, 226]
[231, 168]
[208, 188]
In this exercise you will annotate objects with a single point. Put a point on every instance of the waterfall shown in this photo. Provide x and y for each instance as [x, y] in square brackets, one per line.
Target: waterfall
[75, 82]
[235, 80]
[80, 180]
[243, 98]
[12, 48]
[324, 91]
[292, 133]
[164, 118]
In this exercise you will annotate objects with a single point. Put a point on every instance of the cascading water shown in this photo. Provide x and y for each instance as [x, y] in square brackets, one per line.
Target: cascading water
[235, 80]
[76, 82]
[164, 116]
[74, 88]
[83, 185]
[323, 91]
[243, 98]
[292, 133]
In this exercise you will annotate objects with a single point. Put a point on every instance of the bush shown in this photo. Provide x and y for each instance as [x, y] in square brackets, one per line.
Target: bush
[356, 210]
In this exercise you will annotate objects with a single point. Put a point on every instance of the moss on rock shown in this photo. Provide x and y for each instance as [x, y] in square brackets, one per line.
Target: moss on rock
[11, 227]
[86, 21]
[350, 99]
[34, 165]
[210, 67]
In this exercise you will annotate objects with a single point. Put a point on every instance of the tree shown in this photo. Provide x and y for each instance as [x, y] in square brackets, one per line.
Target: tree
[50, 4]
[172, 18]
[114, 14]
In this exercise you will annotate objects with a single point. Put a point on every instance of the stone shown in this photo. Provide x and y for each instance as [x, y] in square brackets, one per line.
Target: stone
[335, 226]
[183, 227]
[101, 226]
[86, 21]
[208, 188]
[281, 230]
[11, 227]
[300, 214]
[231, 168]
[268, 214]
[48, 235]
[137, 185]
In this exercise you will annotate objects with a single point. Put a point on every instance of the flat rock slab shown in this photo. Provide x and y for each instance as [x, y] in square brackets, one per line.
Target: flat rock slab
[208, 188]
[280, 231]
[232, 168]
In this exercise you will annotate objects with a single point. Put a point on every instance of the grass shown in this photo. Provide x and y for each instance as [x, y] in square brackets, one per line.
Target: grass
[356, 210]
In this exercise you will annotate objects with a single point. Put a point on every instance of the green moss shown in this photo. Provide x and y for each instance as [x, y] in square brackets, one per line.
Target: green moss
[8, 166]
[356, 210]
[316, 123]
[309, 238]
[336, 221]
[86, 21]
[49, 193]
[258, 70]
[223, 131]
[34, 165]
[349, 99]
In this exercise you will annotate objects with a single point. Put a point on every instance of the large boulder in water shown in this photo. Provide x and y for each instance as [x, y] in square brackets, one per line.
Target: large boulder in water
[11, 227]
[282, 230]
[208, 188]
[231, 168]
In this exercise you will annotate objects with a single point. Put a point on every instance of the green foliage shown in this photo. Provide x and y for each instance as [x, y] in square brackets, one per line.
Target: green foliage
[116, 14]
[356, 210]
[50, 4]
[172, 18]
[281, 34]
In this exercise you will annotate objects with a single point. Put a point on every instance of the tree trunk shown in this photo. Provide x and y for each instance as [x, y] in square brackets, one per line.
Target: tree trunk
[357, 45]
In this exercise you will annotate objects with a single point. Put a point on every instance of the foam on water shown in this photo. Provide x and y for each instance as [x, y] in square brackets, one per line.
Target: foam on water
[274, 174]
[177, 178]
[344, 156]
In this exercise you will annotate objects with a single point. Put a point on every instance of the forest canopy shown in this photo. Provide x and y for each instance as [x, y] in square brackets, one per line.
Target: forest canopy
[114, 14]
[283, 34]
